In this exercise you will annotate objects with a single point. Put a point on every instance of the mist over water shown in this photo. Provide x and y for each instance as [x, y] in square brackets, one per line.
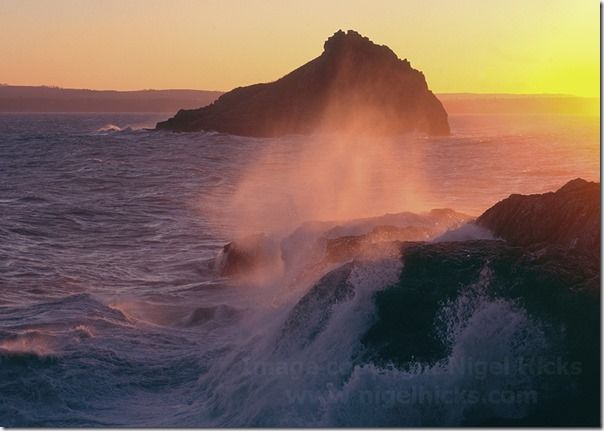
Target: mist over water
[328, 177]
[340, 177]
[112, 314]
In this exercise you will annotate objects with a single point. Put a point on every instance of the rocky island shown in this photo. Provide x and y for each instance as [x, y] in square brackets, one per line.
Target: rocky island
[354, 86]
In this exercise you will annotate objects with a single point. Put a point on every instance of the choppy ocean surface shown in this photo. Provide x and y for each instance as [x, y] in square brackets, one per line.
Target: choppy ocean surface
[112, 314]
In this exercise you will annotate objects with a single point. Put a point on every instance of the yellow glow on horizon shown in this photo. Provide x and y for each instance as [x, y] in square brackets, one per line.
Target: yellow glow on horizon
[481, 46]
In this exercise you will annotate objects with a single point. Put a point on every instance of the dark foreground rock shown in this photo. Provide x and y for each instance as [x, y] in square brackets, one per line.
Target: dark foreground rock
[354, 85]
[519, 314]
[546, 268]
[568, 218]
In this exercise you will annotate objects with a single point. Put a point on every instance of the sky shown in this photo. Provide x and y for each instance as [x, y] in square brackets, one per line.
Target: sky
[479, 46]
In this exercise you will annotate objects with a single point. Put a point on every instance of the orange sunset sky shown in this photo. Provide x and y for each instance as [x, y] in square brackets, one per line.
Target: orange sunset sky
[482, 46]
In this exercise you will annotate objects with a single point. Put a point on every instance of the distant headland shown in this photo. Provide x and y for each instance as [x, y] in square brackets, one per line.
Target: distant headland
[353, 85]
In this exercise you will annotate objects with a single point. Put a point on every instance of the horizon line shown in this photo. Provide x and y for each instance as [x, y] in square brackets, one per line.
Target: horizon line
[447, 93]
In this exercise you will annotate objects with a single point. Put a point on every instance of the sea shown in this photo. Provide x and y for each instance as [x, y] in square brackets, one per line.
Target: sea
[112, 311]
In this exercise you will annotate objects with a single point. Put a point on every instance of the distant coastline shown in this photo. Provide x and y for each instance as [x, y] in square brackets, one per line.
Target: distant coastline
[55, 99]
[15, 98]
[561, 104]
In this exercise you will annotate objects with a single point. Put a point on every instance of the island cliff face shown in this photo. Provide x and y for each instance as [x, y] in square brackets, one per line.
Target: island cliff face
[353, 86]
